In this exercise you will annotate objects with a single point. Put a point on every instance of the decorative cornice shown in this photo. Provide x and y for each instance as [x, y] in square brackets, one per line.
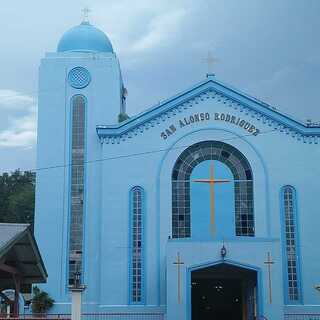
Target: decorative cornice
[206, 90]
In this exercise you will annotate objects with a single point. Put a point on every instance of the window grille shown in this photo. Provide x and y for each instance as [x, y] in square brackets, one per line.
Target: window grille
[243, 186]
[291, 242]
[137, 245]
[77, 186]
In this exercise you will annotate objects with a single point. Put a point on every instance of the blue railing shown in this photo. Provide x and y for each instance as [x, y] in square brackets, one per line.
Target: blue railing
[302, 316]
[90, 316]
[123, 316]
[139, 316]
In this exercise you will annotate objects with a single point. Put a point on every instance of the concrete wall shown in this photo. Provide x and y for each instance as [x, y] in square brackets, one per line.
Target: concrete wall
[146, 159]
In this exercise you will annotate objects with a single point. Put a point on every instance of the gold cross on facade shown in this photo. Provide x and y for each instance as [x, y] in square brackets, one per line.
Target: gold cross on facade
[269, 263]
[212, 181]
[210, 60]
[179, 263]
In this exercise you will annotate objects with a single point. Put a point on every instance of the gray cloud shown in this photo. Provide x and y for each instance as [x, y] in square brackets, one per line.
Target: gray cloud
[19, 127]
[266, 48]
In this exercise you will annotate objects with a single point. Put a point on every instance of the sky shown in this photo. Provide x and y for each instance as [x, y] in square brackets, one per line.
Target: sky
[268, 49]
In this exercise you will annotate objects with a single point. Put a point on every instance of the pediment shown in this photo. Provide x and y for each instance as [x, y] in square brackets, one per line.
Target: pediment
[211, 88]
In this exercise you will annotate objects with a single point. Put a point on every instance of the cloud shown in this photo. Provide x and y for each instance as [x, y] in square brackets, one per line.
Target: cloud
[11, 99]
[20, 129]
[162, 29]
[283, 89]
[139, 27]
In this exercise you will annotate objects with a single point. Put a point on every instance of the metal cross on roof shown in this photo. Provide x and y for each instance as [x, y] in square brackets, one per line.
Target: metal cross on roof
[210, 60]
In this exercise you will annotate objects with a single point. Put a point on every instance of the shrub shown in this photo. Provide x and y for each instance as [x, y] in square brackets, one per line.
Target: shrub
[41, 301]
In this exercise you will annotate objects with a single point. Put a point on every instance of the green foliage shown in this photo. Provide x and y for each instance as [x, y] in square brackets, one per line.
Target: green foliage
[17, 192]
[122, 117]
[41, 301]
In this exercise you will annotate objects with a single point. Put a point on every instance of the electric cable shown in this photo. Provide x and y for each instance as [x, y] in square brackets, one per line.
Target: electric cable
[139, 153]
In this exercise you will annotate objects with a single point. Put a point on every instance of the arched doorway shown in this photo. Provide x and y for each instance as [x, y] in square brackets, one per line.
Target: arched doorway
[224, 291]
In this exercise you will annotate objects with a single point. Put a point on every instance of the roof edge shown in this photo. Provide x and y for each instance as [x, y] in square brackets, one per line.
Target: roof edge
[211, 84]
[33, 243]
[16, 238]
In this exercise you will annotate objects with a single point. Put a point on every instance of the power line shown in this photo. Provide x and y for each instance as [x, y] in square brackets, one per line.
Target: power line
[140, 153]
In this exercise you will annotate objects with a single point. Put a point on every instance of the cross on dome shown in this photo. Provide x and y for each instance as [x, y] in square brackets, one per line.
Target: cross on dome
[85, 13]
[84, 38]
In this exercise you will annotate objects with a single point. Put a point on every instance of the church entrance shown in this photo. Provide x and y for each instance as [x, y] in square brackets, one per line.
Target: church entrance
[222, 292]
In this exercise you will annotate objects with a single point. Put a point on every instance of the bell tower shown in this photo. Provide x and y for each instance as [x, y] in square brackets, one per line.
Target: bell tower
[80, 87]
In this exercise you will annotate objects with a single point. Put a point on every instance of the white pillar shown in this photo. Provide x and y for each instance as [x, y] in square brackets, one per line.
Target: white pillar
[76, 302]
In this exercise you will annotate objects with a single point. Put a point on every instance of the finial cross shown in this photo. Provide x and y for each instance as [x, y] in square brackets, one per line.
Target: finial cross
[85, 13]
[210, 60]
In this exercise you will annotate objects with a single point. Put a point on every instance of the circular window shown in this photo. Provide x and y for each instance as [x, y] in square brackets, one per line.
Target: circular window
[79, 77]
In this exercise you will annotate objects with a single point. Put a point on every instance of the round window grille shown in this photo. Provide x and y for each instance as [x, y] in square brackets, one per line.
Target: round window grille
[79, 77]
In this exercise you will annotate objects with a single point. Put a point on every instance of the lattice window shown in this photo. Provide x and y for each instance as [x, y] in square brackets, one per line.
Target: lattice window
[137, 245]
[77, 186]
[291, 243]
[243, 186]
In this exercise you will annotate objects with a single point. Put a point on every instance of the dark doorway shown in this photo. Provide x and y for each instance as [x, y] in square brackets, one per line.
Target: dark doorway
[225, 292]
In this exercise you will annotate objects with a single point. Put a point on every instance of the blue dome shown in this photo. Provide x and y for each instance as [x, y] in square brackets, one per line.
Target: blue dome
[84, 38]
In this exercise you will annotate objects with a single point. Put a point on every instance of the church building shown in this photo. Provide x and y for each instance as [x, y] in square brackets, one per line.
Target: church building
[200, 207]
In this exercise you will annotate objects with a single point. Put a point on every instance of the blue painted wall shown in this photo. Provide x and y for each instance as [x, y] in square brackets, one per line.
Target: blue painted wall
[54, 150]
[142, 152]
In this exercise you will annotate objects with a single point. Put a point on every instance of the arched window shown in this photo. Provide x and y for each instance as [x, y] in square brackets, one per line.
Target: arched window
[78, 104]
[290, 242]
[243, 186]
[137, 244]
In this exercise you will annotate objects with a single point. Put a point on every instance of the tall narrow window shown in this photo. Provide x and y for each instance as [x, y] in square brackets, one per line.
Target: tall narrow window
[291, 245]
[137, 246]
[77, 186]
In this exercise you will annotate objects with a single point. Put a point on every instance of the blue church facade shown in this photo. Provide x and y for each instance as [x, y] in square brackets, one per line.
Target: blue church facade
[200, 205]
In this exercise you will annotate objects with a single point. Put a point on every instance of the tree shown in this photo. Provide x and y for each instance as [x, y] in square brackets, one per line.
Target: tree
[41, 301]
[123, 117]
[17, 192]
